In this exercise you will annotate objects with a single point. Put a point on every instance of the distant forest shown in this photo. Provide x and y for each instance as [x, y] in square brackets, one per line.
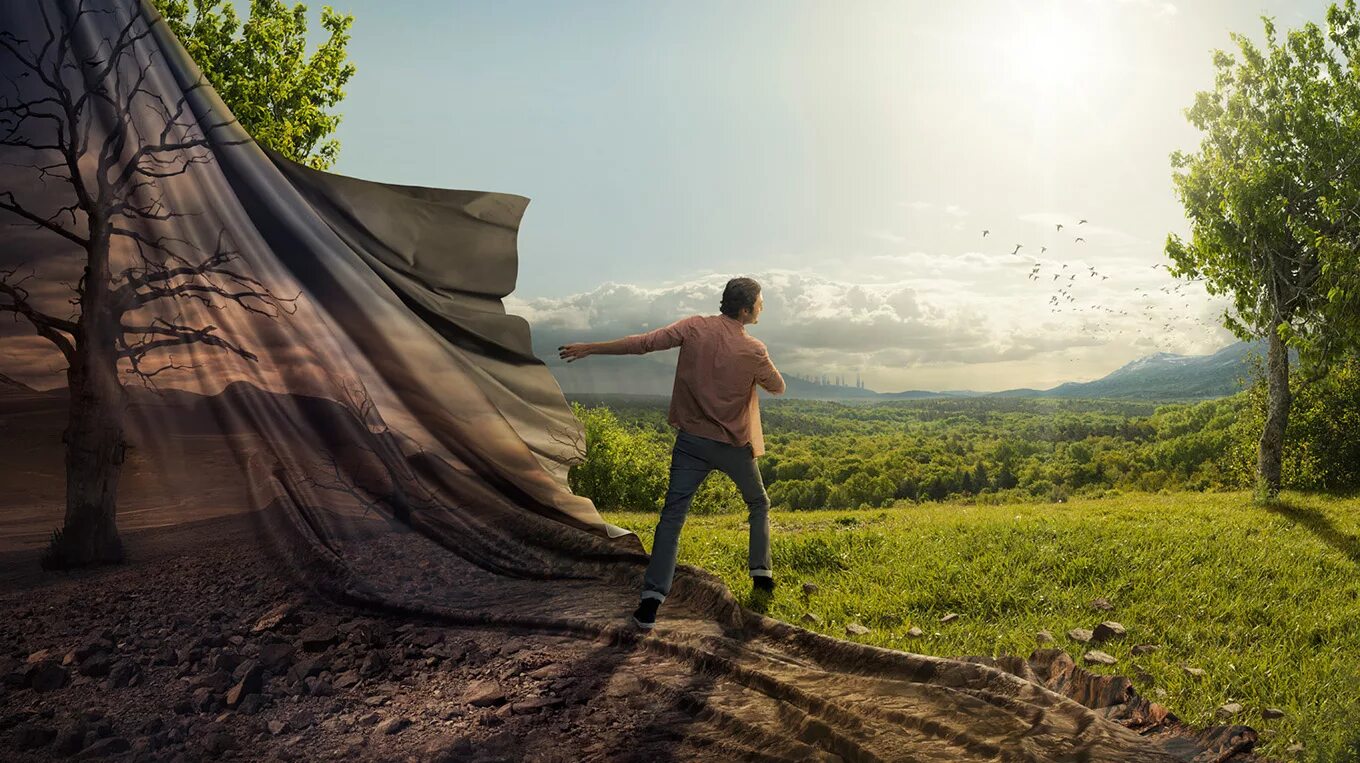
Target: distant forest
[985, 450]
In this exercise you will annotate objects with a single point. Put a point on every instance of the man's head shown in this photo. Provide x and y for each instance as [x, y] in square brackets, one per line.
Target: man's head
[741, 300]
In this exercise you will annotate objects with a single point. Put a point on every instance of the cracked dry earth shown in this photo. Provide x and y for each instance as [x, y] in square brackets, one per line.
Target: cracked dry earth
[203, 647]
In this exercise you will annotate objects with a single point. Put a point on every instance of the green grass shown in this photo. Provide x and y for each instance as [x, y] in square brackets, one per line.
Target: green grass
[1266, 600]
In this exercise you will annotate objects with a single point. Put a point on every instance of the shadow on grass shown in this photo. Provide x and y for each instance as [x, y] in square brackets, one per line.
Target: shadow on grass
[1320, 525]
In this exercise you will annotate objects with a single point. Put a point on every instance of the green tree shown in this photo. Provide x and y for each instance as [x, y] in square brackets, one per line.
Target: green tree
[1273, 200]
[261, 69]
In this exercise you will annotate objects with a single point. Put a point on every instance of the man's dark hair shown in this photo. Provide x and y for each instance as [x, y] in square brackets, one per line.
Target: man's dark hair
[740, 292]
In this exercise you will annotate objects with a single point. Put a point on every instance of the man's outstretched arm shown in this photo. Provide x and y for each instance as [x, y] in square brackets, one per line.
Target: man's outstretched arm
[663, 338]
[768, 376]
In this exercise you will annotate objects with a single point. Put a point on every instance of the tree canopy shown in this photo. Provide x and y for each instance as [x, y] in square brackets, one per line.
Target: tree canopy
[282, 96]
[1273, 194]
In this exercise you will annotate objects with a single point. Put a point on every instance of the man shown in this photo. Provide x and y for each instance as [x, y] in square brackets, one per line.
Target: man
[716, 413]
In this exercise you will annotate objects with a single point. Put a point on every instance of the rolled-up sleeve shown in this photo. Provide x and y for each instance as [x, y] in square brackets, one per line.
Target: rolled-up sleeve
[767, 375]
[663, 338]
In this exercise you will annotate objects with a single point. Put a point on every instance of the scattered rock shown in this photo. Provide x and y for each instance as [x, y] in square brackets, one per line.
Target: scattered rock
[1080, 634]
[124, 673]
[105, 747]
[1193, 672]
[855, 629]
[1141, 649]
[484, 694]
[915, 632]
[391, 726]
[273, 618]
[1271, 713]
[318, 637]
[1044, 637]
[949, 618]
[810, 588]
[31, 736]
[1097, 657]
[533, 704]
[812, 619]
[46, 675]
[1228, 710]
[1101, 605]
[1108, 631]
[276, 658]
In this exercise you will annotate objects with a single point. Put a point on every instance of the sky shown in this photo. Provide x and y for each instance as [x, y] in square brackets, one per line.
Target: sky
[845, 154]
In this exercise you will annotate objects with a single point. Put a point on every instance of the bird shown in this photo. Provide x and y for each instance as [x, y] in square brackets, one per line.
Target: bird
[1158, 265]
[1081, 222]
[984, 233]
[1059, 226]
[1104, 278]
[1016, 249]
[1043, 249]
[1079, 238]
[1064, 267]
[1055, 276]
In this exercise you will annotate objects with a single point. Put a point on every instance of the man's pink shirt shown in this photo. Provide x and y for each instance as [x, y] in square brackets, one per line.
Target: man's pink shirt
[715, 377]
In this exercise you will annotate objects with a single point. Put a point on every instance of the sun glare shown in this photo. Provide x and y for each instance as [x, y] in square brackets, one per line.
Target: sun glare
[1047, 57]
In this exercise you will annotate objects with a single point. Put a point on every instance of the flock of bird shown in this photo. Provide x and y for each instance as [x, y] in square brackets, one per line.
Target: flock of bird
[1067, 280]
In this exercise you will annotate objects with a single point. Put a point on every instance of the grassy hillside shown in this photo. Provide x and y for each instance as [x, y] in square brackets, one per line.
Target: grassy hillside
[1266, 601]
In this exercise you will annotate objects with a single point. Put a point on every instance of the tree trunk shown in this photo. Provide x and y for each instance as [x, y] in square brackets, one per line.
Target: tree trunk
[95, 451]
[95, 447]
[1270, 454]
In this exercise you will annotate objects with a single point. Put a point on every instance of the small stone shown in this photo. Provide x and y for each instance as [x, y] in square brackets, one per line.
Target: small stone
[47, 675]
[1079, 634]
[810, 588]
[1139, 650]
[855, 629]
[273, 618]
[1108, 631]
[31, 736]
[318, 637]
[276, 657]
[533, 704]
[391, 726]
[1097, 657]
[484, 694]
[277, 727]
[1228, 710]
[96, 665]
[1044, 637]
[915, 632]
[1295, 747]
[1193, 672]
[347, 680]
[1101, 605]
[811, 618]
[124, 673]
[949, 618]
[1271, 713]
[105, 747]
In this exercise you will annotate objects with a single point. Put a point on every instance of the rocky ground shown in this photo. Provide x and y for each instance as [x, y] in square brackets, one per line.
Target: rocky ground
[210, 655]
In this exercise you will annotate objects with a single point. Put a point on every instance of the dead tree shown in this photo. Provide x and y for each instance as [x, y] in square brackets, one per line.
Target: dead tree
[81, 115]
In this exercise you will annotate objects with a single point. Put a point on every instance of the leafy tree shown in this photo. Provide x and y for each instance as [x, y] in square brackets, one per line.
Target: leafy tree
[280, 95]
[1273, 197]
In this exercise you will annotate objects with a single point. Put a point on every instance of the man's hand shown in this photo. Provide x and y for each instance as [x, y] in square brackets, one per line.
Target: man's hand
[570, 352]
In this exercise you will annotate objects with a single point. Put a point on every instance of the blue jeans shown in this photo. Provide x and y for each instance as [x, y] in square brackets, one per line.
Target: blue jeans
[692, 458]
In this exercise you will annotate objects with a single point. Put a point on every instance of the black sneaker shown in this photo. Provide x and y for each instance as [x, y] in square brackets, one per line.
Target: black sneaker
[762, 583]
[644, 616]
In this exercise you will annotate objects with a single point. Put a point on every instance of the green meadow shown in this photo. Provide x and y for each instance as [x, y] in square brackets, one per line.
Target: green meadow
[1265, 600]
